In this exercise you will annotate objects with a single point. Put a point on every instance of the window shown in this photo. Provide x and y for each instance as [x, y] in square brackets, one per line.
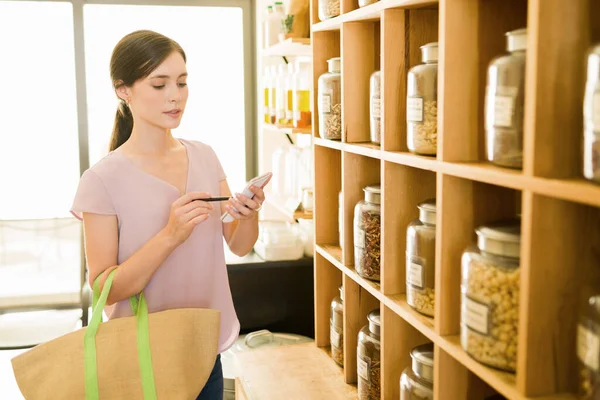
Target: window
[40, 256]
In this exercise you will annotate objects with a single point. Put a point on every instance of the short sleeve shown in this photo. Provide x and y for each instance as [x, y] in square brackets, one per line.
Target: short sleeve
[91, 196]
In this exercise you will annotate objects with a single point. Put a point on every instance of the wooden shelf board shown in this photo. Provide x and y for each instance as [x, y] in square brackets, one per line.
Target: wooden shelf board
[332, 144]
[424, 324]
[287, 129]
[486, 173]
[412, 160]
[364, 149]
[575, 190]
[369, 13]
[296, 47]
[279, 203]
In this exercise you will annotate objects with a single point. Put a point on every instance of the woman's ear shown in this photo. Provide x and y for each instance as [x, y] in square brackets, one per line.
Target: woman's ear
[122, 91]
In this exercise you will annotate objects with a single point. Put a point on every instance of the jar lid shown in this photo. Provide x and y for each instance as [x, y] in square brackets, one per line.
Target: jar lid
[373, 194]
[422, 361]
[374, 321]
[334, 64]
[429, 52]
[427, 211]
[516, 40]
[501, 238]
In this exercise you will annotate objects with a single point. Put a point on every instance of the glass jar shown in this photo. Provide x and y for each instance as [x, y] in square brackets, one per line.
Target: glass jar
[364, 3]
[375, 106]
[289, 93]
[416, 383]
[588, 349]
[504, 103]
[369, 359]
[292, 160]
[301, 86]
[330, 101]
[278, 164]
[421, 103]
[273, 96]
[307, 200]
[336, 323]
[420, 260]
[341, 218]
[591, 118]
[490, 296]
[280, 94]
[367, 229]
[328, 9]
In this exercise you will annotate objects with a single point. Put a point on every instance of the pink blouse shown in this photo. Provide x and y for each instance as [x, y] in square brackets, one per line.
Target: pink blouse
[195, 274]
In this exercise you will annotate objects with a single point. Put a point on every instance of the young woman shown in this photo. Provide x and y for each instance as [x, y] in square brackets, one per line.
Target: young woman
[140, 206]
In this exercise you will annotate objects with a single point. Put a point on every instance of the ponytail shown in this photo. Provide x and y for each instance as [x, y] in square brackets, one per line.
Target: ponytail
[122, 127]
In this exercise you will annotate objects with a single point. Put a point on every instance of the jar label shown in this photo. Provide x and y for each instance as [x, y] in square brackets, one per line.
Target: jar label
[325, 102]
[504, 108]
[375, 108]
[334, 338]
[414, 109]
[359, 238]
[476, 315]
[596, 111]
[588, 348]
[363, 369]
[414, 274]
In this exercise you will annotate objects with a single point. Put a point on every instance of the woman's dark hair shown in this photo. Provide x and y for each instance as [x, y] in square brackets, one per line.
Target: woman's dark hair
[135, 57]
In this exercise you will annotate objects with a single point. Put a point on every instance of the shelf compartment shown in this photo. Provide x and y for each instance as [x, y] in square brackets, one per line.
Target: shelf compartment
[328, 175]
[326, 46]
[293, 47]
[327, 282]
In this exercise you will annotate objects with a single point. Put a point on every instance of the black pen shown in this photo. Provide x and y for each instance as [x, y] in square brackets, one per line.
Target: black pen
[215, 199]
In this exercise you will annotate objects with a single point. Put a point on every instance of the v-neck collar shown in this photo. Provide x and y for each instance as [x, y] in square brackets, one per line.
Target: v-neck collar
[156, 178]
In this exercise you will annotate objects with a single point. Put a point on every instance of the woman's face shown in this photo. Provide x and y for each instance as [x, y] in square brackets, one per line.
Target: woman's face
[160, 98]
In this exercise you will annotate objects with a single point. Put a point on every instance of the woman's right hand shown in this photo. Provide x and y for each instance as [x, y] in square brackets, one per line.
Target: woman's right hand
[186, 213]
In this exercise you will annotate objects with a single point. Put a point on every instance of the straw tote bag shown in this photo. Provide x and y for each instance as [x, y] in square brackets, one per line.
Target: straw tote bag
[164, 355]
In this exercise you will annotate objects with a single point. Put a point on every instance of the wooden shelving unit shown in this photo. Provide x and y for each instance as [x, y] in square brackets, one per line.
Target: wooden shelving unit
[560, 212]
[288, 130]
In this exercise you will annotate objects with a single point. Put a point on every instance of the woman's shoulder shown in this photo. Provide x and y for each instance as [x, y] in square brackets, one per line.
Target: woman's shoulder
[106, 167]
[199, 146]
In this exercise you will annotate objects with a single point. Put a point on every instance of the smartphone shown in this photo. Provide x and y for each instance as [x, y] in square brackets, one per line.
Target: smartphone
[259, 181]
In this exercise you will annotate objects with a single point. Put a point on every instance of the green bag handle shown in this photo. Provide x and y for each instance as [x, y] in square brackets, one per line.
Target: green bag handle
[139, 307]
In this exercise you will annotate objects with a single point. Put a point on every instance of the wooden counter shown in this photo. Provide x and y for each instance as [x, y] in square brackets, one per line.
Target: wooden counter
[295, 372]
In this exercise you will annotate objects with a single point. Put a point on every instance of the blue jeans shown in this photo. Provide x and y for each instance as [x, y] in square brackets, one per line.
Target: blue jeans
[213, 390]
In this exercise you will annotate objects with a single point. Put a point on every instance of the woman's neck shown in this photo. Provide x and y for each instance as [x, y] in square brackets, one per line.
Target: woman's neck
[151, 140]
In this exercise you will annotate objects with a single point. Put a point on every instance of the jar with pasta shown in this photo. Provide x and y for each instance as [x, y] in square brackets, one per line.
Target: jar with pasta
[328, 9]
[367, 232]
[330, 101]
[421, 103]
[504, 103]
[420, 260]
[591, 118]
[336, 322]
[416, 382]
[369, 359]
[375, 106]
[490, 295]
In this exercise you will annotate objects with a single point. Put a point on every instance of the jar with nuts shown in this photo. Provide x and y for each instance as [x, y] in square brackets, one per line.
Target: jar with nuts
[421, 103]
[375, 106]
[330, 101]
[367, 232]
[490, 296]
[416, 383]
[369, 359]
[420, 260]
[504, 103]
[591, 118]
[336, 323]
[588, 350]
[328, 9]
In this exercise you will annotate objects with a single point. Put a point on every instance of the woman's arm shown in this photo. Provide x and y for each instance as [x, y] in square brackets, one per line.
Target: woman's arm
[241, 234]
[132, 276]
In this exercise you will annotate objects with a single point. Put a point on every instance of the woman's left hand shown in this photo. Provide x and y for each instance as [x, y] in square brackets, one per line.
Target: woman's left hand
[246, 208]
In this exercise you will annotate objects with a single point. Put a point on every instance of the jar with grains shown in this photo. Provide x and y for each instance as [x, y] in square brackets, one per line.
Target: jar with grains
[336, 335]
[416, 383]
[367, 232]
[588, 349]
[364, 3]
[421, 103]
[420, 260]
[490, 296]
[591, 118]
[368, 361]
[330, 101]
[504, 103]
[375, 107]
[328, 9]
